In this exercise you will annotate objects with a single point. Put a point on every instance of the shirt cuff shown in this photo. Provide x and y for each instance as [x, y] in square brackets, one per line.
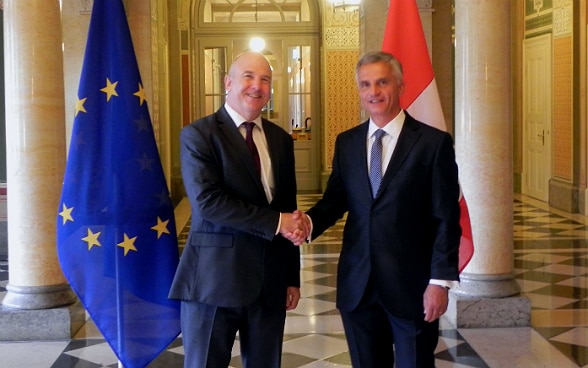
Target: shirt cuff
[309, 238]
[279, 224]
[449, 284]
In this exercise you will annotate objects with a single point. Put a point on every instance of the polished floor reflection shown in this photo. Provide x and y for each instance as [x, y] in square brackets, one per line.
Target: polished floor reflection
[551, 266]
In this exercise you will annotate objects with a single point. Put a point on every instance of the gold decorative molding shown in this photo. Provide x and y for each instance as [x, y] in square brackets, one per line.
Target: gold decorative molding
[183, 15]
[561, 3]
[344, 19]
[342, 37]
[563, 18]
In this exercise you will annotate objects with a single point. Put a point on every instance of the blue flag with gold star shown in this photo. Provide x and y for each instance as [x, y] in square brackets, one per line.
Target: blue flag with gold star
[116, 234]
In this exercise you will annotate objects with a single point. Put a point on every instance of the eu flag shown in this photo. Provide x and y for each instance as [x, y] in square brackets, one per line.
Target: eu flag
[116, 237]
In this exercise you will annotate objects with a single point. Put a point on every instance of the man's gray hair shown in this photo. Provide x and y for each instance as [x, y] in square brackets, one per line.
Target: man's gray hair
[381, 56]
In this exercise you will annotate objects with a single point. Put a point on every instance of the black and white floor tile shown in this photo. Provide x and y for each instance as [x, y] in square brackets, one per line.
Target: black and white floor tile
[551, 267]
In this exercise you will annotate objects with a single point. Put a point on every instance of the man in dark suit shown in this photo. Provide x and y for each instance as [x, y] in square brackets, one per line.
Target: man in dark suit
[401, 238]
[237, 273]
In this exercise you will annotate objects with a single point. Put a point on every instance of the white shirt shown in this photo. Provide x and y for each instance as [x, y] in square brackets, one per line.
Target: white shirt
[389, 140]
[267, 176]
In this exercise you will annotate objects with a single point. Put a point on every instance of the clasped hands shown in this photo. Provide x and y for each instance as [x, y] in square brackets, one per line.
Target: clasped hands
[295, 226]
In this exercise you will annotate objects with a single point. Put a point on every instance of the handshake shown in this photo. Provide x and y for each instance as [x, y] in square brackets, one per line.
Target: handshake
[295, 227]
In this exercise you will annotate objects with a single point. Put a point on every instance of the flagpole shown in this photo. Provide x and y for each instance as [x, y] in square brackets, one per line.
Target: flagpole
[119, 299]
[117, 277]
[119, 304]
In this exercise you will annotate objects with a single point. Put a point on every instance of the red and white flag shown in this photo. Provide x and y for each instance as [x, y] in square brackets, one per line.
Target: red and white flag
[404, 38]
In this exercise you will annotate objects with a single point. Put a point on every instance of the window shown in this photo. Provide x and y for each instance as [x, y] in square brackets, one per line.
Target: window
[245, 11]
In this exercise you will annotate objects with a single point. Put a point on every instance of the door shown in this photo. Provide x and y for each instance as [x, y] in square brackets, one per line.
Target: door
[293, 104]
[302, 94]
[537, 117]
[289, 33]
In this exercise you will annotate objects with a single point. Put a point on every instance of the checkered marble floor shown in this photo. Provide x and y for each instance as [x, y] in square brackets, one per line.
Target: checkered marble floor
[551, 267]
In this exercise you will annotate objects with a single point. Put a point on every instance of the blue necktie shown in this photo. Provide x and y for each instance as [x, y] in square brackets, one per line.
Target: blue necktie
[376, 162]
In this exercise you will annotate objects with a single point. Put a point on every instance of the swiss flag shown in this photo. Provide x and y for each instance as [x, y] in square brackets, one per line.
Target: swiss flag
[404, 38]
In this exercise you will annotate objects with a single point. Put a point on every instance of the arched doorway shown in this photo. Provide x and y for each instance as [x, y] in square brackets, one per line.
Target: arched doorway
[290, 31]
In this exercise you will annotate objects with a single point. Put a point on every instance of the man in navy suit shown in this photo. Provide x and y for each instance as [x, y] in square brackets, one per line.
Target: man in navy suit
[400, 243]
[237, 273]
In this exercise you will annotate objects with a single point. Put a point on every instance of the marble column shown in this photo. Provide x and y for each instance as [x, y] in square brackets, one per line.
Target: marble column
[372, 23]
[39, 303]
[488, 295]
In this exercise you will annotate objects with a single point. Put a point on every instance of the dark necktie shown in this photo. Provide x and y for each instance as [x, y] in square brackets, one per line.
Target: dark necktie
[252, 147]
[376, 162]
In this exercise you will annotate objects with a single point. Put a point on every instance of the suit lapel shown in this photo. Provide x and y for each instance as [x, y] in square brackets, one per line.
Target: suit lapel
[237, 143]
[408, 137]
[361, 141]
[357, 159]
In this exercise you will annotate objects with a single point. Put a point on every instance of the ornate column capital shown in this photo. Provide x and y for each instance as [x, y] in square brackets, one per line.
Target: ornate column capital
[86, 6]
[425, 4]
[184, 15]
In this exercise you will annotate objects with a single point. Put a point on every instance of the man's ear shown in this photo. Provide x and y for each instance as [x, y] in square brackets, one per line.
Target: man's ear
[227, 83]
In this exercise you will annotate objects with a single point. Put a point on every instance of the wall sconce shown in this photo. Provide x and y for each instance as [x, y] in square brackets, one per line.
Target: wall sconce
[345, 5]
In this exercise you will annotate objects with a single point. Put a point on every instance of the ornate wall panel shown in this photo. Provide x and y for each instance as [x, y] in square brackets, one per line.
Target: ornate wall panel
[562, 108]
[342, 100]
[341, 108]
[342, 37]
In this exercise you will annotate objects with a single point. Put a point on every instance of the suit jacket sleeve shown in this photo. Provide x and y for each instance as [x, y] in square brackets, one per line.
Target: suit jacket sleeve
[445, 205]
[333, 205]
[219, 184]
